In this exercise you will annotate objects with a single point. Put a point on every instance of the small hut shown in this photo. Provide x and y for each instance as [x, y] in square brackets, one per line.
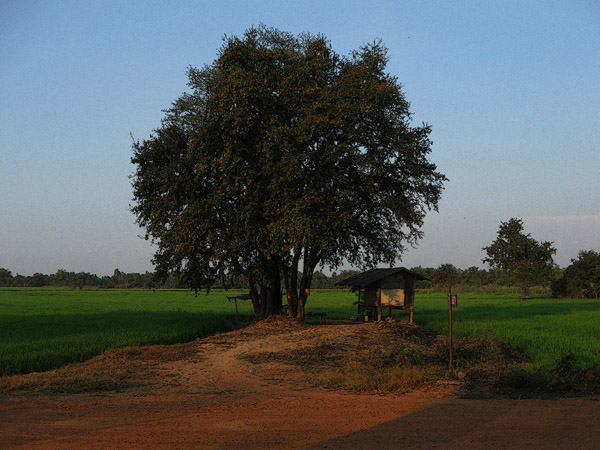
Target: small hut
[393, 288]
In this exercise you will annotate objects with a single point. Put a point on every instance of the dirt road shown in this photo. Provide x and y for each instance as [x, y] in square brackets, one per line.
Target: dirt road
[203, 395]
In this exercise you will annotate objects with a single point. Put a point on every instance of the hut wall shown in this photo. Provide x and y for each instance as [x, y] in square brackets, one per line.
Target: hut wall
[370, 295]
[392, 297]
[392, 290]
[410, 293]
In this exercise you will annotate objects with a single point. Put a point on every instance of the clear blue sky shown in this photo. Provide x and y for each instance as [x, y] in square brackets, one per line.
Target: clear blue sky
[511, 89]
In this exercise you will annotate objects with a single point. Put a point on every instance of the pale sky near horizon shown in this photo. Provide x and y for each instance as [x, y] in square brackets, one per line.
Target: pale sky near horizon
[511, 89]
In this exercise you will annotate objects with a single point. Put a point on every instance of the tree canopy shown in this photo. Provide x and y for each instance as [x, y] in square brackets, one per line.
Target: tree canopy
[284, 155]
[525, 261]
[446, 275]
[581, 278]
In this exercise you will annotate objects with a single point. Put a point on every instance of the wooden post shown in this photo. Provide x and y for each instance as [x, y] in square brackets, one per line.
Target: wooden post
[409, 295]
[236, 310]
[450, 324]
[379, 305]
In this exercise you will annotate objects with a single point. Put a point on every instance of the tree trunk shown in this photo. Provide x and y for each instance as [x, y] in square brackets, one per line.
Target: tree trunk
[310, 262]
[263, 301]
[304, 285]
[293, 302]
[286, 280]
[300, 312]
[292, 291]
[273, 290]
[254, 295]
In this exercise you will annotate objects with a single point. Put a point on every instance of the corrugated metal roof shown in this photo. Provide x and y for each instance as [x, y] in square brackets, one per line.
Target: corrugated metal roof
[370, 276]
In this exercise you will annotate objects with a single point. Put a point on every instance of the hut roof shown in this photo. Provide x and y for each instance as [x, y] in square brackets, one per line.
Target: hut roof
[370, 276]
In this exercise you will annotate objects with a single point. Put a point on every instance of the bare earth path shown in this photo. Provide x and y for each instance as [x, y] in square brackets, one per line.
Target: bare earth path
[202, 395]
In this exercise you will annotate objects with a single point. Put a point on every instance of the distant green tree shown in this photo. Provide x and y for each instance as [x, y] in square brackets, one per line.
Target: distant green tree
[447, 276]
[581, 278]
[85, 279]
[6, 277]
[335, 277]
[117, 276]
[61, 278]
[475, 277]
[38, 280]
[283, 157]
[525, 261]
[321, 281]
[427, 273]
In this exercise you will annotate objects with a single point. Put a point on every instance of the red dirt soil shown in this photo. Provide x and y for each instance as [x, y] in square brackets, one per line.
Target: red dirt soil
[203, 395]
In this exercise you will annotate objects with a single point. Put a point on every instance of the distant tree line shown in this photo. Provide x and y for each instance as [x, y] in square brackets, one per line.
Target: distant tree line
[62, 278]
[581, 279]
[447, 276]
[472, 277]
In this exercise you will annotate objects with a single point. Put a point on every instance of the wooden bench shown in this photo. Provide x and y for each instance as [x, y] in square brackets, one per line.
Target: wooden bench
[322, 315]
[235, 298]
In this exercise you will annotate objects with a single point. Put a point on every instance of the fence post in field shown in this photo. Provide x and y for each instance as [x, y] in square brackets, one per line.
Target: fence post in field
[452, 301]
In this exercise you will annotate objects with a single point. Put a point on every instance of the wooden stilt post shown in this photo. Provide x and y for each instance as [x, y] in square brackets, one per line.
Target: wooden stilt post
[450, 325]
[450, 328]
[409, 295]
[379, 305]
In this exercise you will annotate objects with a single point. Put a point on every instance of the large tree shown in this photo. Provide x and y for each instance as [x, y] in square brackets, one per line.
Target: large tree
[525, 261]
[284, 155]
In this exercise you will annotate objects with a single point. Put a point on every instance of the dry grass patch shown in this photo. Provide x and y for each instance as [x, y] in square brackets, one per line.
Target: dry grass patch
[114, 370]
[390, 357]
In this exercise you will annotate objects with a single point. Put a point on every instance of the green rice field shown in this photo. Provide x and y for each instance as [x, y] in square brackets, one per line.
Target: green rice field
[41, 329]
[544, 329]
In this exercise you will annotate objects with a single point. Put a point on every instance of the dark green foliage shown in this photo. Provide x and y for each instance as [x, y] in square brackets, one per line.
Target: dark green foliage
[284, 156]
[426, 272]
[581, 279]
[525, 261]
[62, 278]
[474, 276]
[446, 276]
[468, 279]
[6, 278]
